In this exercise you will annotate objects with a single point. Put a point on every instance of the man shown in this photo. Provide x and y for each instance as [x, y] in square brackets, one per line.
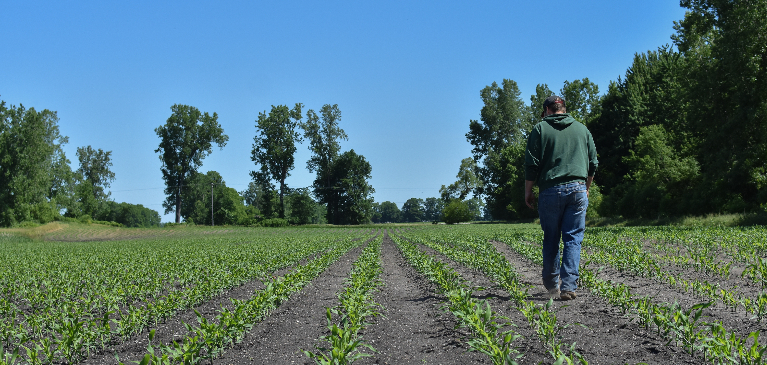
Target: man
[561, 159]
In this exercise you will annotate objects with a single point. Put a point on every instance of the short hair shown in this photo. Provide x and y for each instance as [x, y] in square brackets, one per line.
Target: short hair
[558, 108]
[555, 103]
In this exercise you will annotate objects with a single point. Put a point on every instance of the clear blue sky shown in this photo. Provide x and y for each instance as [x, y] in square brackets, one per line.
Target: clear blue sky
[405, 74]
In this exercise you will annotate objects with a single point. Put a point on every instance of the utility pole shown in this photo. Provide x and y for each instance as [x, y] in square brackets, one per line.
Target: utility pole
[211, 204]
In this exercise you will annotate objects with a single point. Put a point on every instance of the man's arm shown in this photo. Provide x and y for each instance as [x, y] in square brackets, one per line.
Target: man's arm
[529, 198]
[589, 180]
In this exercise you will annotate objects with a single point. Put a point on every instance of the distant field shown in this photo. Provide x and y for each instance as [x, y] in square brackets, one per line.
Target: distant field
[458, 294]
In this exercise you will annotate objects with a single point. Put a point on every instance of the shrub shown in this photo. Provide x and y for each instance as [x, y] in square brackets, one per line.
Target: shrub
[457, 211]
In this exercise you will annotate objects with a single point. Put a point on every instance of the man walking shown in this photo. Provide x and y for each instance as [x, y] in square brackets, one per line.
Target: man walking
[561, 159]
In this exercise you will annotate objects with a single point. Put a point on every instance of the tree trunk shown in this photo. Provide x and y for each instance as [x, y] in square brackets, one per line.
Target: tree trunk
[282, 194]
[178, 204]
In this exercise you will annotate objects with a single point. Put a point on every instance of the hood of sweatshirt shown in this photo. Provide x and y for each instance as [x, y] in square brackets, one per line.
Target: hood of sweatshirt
[559, 121]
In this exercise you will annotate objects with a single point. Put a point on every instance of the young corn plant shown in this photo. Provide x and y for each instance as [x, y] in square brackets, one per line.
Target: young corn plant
[344, 344]
[356, 305]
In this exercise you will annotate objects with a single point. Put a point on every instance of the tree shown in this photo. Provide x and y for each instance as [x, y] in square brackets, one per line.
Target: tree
[34, 170]
[303, 209]
[504, 123]
[227, 204]
[658, 179]
[388, 213]
[467, 182]
[725, 44]
[262, 198]
[95, 177]
[582, 100]
[650, 93]
[185, 140]
[348, 194]
[274, 147]
[413, 210]
[324, 137]
[457, 211]
[131, 215]
[432, 209]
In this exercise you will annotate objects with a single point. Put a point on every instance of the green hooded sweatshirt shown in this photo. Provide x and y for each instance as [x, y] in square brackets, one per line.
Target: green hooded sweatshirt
[560, 150]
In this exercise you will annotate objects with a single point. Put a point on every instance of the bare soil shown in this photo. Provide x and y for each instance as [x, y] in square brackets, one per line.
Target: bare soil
[414, 329]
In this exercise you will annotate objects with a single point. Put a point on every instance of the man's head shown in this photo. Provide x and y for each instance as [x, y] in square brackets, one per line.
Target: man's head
[553, 105]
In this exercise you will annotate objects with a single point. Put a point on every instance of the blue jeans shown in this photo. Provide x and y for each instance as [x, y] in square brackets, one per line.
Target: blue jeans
[562, 210]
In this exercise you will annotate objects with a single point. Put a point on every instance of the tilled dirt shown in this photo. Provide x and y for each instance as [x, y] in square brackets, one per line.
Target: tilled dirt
[601, 333]
[414, 329]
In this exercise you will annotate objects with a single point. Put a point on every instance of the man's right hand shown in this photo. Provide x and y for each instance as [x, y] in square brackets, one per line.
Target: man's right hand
[529, 197]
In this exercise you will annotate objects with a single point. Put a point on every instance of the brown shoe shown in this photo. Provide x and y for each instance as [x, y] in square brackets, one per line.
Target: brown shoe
[567, 295]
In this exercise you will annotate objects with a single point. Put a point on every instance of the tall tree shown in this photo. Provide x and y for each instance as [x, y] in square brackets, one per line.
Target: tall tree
[185, 140]
[274, 146]
[324, 137]
[504, 123]
[95, 177]
[33, 166]
[413, 210]
[350, 197]
[262, 197]
[389, 213]
[432, 208]
[727, 42]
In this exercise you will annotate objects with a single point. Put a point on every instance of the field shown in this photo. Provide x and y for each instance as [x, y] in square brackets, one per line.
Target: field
[424, 294]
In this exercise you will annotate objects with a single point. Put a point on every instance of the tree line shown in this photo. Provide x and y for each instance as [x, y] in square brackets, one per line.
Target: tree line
[37, 183]
[684, 132]
[341, 187]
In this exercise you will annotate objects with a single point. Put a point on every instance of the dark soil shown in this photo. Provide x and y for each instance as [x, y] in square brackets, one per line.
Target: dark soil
[601, 333]
[414, 329]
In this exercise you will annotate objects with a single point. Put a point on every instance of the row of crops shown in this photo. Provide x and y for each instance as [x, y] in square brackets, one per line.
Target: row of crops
[697, 262]
[60, 302]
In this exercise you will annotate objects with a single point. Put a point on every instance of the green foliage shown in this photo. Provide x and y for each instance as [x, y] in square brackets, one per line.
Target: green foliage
[457, 211]
[467, 182]
[35, 171]
[274, 147]
[348, 194]
[228, 207]
[433, 209]
[341, 181]
[386, 212]
[704, 105]
[185, 140]
[651, 93]
[262, 198]
[129, 215]
[659, 177]
[499, 141]
[413, 210]
[324, 137]
[302, 208]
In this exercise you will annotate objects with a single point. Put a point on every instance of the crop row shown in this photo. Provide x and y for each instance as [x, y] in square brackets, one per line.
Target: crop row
[480, 255]
[63, 300]
[356, 305]
[484, 325]
[209, 338]
[680, 326]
